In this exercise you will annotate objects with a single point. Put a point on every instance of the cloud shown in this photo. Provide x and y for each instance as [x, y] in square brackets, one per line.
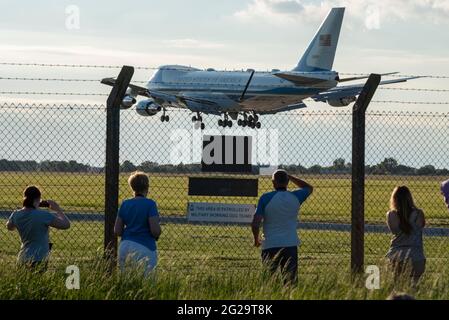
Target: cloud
[277, 11]
[288, 7]
[192, 44]
[101, 54]
[369, 12]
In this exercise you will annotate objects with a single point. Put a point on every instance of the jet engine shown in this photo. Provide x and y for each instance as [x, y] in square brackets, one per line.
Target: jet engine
[342, 102]
[148, 108]
[127, 102]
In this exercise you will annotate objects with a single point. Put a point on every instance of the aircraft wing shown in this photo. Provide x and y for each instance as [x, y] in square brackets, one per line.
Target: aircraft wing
[351, 91]
[135, 90]
[141, 91]
[291, 107]
[189, 100]
[364, 77]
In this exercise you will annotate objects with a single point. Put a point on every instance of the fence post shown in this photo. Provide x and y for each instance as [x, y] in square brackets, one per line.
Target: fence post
[358, 173]
[112, 166]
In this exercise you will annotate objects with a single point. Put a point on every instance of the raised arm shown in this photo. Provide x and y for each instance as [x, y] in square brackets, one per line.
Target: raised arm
[301, 183]
[10, 225]
[60, 221]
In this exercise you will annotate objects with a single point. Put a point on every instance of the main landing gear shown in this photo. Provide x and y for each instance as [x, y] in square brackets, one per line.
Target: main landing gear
[164, 118]
[198, 121]
[251, 121]
[225, 122]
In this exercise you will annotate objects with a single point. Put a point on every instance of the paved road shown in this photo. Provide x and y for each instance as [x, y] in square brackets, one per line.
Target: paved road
[322, 226]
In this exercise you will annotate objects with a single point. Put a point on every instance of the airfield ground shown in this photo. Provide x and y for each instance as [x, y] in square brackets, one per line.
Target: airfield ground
[198, 262]
[215, 261]
[185, 246]
[331, 201]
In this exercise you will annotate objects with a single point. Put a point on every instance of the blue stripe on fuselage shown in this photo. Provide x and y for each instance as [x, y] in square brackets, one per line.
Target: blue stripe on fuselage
[275, 91]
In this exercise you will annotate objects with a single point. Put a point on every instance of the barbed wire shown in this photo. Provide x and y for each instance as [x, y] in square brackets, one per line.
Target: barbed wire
[196, 83]
[62, 106]
[48, 79]
[58, 65]
[300, 112]
[105, 95]
[410, 102]
[53, 93]
[307, 100]
[399, 75]
[414, 89]
[192, 83]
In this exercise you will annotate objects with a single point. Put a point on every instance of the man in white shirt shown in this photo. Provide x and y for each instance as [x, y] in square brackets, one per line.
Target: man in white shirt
[278, 212]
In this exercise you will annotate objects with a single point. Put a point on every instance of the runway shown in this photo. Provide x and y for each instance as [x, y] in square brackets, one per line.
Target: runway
[320, 226]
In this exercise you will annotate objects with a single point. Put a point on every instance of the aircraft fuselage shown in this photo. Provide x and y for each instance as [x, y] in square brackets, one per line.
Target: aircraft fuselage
[265, 91]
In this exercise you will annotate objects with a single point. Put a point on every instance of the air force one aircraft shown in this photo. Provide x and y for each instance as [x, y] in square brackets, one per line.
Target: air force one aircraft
[244, 96]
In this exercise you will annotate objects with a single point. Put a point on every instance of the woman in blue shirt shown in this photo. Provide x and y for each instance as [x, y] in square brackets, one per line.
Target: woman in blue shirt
[138, 226]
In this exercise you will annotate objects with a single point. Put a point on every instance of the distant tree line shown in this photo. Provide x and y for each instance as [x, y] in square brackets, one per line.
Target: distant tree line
[388, 166]
[46, 166]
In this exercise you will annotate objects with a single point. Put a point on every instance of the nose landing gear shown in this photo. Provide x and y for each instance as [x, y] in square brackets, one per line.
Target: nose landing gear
[164, 118]
[198, 120]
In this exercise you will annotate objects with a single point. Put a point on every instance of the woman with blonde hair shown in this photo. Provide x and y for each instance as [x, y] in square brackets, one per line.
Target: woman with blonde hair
[138, 225]
[406, 223]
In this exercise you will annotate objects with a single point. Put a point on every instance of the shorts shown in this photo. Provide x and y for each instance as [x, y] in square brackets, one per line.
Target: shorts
[133, 254]
[283, 259]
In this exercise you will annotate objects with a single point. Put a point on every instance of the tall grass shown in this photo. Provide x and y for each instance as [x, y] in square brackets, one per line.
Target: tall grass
[203, 283]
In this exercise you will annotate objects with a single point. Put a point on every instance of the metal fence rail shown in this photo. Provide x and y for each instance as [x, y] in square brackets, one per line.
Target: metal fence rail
[61, 148]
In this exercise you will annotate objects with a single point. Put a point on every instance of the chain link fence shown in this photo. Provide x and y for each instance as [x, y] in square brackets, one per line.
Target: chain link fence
[61, 148]
[409, 149]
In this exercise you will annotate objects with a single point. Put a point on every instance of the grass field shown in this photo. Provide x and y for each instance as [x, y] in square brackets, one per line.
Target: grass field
[223, 255]
[330, 202]
[198, 262]
[185, 247]
[95, 283]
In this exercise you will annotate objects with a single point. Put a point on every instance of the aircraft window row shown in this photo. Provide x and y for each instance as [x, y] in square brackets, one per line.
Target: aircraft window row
[215, 79]
[233, 84]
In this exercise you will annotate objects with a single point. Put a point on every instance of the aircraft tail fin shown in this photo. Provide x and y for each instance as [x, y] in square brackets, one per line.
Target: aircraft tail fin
[320, 54]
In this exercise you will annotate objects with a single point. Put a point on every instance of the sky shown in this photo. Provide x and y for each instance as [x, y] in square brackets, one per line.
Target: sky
[408, 36]
[377, 36]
